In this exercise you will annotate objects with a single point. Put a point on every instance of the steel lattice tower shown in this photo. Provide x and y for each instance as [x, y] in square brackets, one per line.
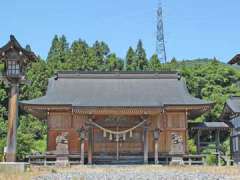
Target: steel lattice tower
[160, 45]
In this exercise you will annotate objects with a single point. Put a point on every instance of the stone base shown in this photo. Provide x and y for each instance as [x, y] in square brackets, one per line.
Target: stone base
[62, 161]
[13, 167]
[10, 157]
[177, 161]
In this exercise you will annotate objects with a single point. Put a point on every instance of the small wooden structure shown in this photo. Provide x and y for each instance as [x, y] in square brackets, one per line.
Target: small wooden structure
[231, 114]
[205, 131]
[119, 116]
[211, 128]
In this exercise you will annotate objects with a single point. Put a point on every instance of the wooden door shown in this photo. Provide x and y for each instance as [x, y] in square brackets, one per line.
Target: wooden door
[106, 147]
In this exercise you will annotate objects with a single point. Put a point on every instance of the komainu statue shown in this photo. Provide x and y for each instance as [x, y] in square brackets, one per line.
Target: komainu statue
[177, 146]
[62, 143]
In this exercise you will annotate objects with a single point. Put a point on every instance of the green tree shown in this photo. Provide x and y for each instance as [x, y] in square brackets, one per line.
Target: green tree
[154, 63]
[101, 52]
[212, 81]
[130, 59]
[78, 56]
[38, 74]
[58, 53]
[3, 117]
[141, 57]
[113, 63]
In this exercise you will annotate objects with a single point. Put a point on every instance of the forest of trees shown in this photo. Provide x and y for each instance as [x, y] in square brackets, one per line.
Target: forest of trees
[206, 78]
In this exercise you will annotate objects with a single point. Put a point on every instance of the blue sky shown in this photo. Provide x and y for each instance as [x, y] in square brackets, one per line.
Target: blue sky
[193, 29]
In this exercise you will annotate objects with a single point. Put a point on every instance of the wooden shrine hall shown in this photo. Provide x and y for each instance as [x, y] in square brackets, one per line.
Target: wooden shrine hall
[117, 116]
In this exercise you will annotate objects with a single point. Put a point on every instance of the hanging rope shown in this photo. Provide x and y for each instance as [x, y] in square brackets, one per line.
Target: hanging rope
[111, 132]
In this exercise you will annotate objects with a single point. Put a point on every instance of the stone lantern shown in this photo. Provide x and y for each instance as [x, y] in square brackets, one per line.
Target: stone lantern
[15, 60]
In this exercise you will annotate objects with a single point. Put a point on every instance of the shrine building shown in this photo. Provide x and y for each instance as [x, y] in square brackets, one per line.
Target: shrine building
[117, 115]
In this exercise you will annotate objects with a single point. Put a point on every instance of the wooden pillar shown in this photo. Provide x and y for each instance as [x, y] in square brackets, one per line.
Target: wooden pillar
[198, 141]
[156, 152]
[218, 146]
[90, 144]
[187, 132]
[145, 142]
[12, 124]
[217, 140]
[156, 135]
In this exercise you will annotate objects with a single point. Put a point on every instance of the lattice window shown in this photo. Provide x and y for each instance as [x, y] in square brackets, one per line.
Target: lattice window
[13, 68]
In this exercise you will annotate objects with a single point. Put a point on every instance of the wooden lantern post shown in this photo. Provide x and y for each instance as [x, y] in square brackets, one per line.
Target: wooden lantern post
[15, 59]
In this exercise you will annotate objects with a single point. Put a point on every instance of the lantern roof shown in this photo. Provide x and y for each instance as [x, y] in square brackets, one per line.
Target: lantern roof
[14, 44]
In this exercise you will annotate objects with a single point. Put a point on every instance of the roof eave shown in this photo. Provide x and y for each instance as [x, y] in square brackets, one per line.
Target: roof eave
[235, 59]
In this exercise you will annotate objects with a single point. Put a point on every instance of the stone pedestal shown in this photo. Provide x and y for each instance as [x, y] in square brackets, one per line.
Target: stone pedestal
[14, 167]
[62, 161]
[177, 161]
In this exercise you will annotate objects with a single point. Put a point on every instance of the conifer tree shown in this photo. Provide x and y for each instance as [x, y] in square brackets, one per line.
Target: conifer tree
[101, 52]
[141, 58]
[59, 53]
[78, 56]
[130, 59]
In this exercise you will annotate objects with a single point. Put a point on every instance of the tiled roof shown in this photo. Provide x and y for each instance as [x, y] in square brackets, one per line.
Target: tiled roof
[117, 89]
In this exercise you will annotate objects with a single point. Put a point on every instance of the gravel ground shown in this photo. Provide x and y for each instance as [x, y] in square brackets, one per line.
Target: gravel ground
[131, 174]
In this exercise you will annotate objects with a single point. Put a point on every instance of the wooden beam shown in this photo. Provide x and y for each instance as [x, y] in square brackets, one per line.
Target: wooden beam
[12, 124]
[117, 110]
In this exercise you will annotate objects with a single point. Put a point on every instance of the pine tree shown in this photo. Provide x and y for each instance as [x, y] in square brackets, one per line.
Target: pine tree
[101, 52]
[59, 53]
[78, 55]
[141, 58]
[130, 59]
[154, 63]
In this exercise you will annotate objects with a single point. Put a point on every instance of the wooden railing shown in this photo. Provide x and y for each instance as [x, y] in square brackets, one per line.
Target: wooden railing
[50, 159]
